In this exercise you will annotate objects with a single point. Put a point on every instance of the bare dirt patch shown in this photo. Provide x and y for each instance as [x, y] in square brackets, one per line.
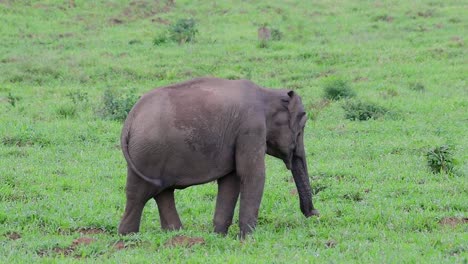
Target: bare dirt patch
[115, 21]
[141, 9]
[330, 243]
[68, 251]
[453, 221]
[160, 21]
[119, 245]
[13, 235]
[90, 231]
[184, 241]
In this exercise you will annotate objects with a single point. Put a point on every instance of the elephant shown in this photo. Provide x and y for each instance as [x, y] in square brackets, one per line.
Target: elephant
[209, 129]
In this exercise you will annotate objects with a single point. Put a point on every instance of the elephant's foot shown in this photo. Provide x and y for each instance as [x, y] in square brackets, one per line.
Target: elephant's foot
[131, 219]
[222, 229]
[128, 227]
[171, 227]
[314, 212]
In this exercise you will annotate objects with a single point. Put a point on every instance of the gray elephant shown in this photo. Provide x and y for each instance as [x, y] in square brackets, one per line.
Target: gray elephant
[211, 129]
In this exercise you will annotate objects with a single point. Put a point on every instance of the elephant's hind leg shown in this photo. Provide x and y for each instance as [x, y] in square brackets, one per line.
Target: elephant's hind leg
[138, 192]
[167, 210]
[228, 193]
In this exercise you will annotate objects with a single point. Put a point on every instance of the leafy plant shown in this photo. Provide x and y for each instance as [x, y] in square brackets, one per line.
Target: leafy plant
[440, 159]
[78, 97]
[115, 105]
[12, 99]
[358, 110]
[417, 87]
[66, 110]
[160, 39]
[28, 138]
[336, 89]
[262, 44]
[276, 34]
[182, 31]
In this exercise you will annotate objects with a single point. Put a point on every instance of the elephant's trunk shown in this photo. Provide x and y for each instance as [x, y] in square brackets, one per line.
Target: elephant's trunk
[301, 178]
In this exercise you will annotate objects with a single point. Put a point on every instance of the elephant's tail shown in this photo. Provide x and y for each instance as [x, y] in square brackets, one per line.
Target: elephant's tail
[124, 143]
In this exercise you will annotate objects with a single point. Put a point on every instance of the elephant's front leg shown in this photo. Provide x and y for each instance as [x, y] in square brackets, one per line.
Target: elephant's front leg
[228, 193]
[250, 166]
[167, 210]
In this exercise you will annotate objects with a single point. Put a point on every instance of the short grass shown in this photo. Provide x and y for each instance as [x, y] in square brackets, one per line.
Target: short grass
[61, 169]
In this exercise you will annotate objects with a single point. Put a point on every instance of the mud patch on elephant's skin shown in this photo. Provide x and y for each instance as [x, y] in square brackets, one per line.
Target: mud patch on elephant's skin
[184, 241]
[190, 115]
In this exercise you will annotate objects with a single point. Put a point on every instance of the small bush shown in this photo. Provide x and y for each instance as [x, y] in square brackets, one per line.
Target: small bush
[116, 106]
[12, 99]
[184, 30]
[161, 39]
[66, 111]
[354, 196]
[336, 89]
[276, 34]
[417, 87]
[358, 110]
[440, 159]
[262, 44]
[78, 97]
[25, 139]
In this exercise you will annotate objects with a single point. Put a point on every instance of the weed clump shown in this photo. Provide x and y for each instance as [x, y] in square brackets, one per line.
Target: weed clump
[66, 111]
[182, 31]
[12, 99]
[419, 87]
[161, 39]
[78, 97]
[336, 89]
[440, 159]
[25, 139]
[267, 34]
[116, 106]
[362, 111]
[276, 34]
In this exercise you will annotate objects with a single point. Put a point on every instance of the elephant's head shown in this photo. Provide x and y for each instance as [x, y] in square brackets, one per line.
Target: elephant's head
[285, 140]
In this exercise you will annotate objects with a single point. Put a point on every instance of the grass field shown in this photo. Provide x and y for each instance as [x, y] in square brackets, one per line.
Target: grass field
[62, 174]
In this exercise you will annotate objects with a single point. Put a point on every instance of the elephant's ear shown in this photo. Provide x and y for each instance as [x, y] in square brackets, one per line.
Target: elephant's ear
[296, 110]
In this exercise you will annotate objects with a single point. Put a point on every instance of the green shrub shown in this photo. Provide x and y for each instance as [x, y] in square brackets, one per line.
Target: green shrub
[440, 159]
[117, 105]
[417, 87]
[336, 89]
[27, 138]
[160, 39]
[184, 30]
[262, 44]
[276, 34]
[12, 99]
[358, 110]
[66, 111]
[78, 97]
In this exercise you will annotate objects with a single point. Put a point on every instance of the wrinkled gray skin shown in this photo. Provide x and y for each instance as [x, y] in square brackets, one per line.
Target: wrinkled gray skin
[211, 129]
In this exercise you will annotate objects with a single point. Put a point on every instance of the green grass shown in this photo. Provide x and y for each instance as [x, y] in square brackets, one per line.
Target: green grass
[61, 168]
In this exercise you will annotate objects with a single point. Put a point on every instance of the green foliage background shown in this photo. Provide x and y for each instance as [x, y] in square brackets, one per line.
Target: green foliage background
[61, 168]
